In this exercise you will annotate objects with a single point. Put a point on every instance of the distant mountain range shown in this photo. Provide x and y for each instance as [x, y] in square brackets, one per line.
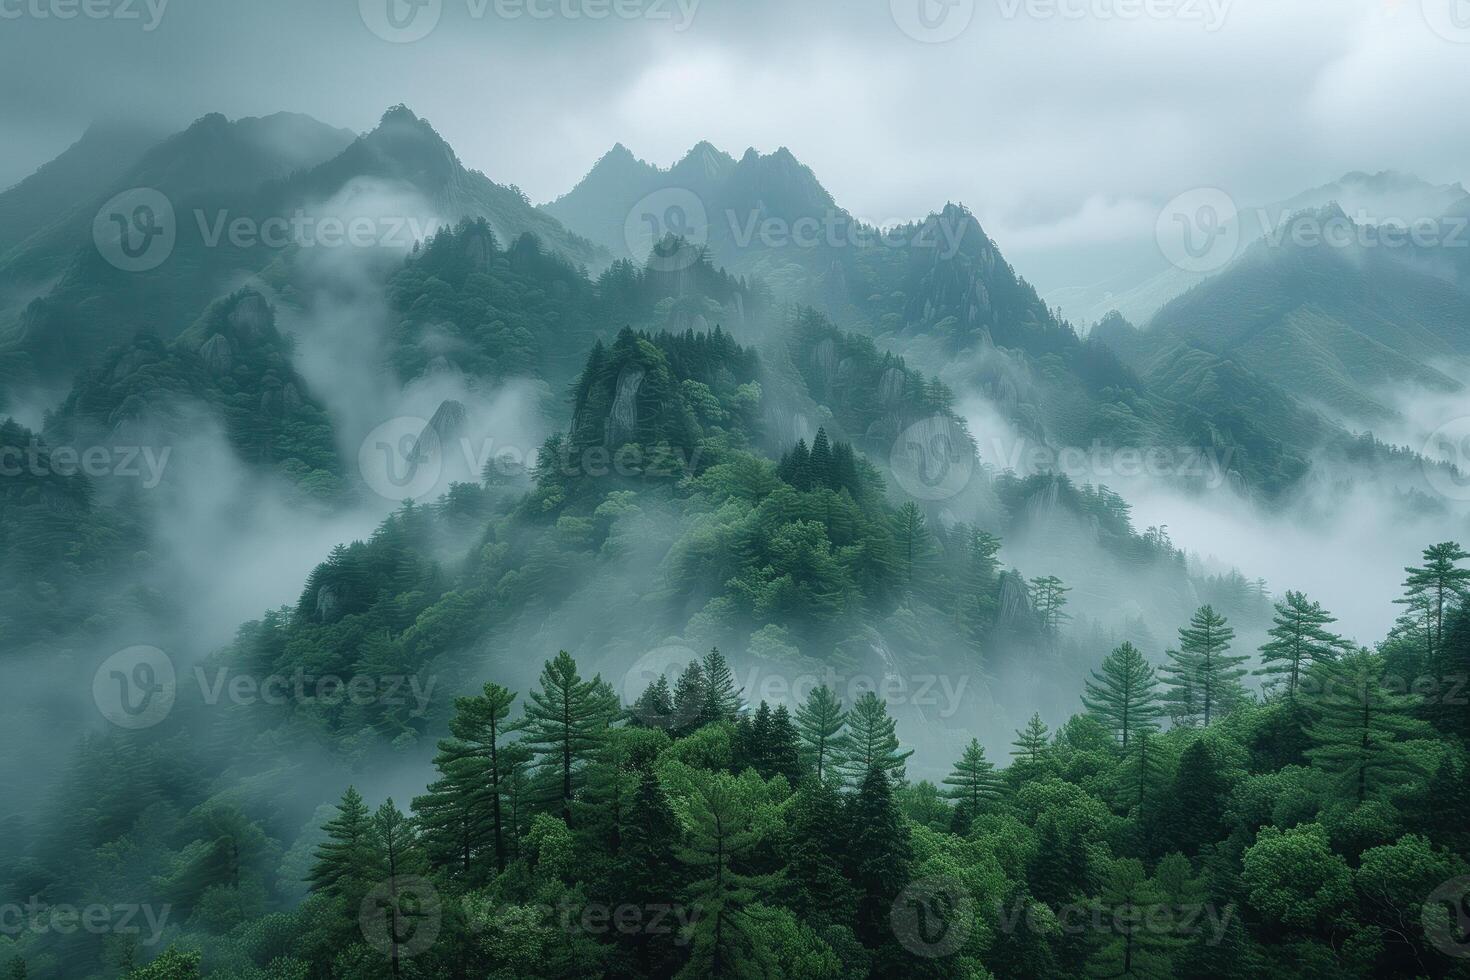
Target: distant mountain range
[1341, 324]
[67, 304]
[1260, 359]
[1374, 199]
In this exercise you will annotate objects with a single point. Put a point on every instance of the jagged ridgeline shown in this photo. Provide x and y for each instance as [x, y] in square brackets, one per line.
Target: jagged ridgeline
[463, 301]
[232, 367]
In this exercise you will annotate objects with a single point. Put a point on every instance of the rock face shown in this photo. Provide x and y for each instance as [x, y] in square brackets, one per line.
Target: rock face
[217, 354]
[447, 425]
[251, 318]
[622, 418]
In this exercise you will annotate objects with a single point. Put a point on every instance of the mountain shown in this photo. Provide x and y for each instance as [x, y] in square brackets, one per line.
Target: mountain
[213, 155]
[707, 197]
[90, 165]
[1373, 199]
[1335, 324]
[402, 177]
[406, 152]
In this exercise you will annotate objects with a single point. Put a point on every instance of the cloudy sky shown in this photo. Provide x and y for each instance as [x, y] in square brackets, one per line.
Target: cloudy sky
[1058, 121]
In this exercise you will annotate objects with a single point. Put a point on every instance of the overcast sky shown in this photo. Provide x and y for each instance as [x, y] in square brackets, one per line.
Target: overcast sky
[1058, 121]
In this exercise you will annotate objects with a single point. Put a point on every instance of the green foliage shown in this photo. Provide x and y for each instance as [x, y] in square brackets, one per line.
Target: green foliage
[1124, 696]
[1203, 677]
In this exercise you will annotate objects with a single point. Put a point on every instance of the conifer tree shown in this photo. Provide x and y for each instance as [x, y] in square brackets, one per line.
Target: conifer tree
[820, 721]
[399, 860]
[817, 840]
[1360, 725]
[345, 852]
[1133, 947]
[881, 855]
[1298, 640]
[1431, 591]
[1143, 774]
[565, 720]
[479, 726]
[722, 831]
[1048, 598]
[913, 540]
[648, 872]
[456, 823]
[721, 696]
[690, 694]
[974, 780]
[655, 706]
[1124, 696]
[1191, 812]
[1204, 678]
[870, 742]
[1031, 744]
[820, 460]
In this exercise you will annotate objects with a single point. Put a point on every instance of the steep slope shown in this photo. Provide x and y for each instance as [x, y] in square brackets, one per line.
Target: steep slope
[402, 180]
[406, 151]
[213, 155]
[1332, 323]
[1374, 199]
[84, 170]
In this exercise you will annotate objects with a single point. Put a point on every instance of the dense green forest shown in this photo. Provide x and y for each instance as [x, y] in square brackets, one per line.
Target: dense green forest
[714, 674]
[1176, 825]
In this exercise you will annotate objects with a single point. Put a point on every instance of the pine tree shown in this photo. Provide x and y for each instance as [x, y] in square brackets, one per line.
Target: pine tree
[820, 721]
[881, 855]
[1191, 813]
[1048, 597]
[1204, 678]
[478, 726]
[783, 755]
[1132, 947]
[722, 832]
[820, 460]
[721, 697]
[975, 582]
[345, 852]
[399, 861]
[1124, 696]
[1356, 738]
[648, 872]
[456, 823]
[1031, 744]
[1298, 641]
[565, 720]
[817, 839]
[690, 694]
[974, 779]
[870, 742]
[1431, 591]
[655, 706]
[913, 540]
[1143, 773]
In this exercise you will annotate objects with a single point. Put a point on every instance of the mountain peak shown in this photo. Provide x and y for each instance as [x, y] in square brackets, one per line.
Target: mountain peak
[399, 113]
